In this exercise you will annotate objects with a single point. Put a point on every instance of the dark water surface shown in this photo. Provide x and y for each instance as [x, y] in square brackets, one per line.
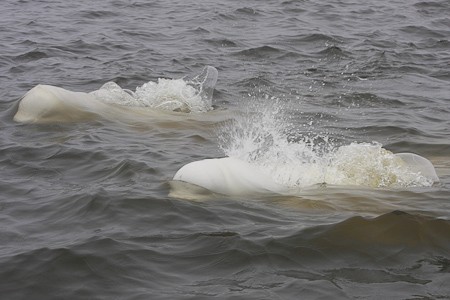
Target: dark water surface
[85, 210]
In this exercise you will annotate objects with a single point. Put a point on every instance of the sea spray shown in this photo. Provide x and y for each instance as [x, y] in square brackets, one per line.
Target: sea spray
[183, 95]
[294, 155]
[264, 134]
[369, 164]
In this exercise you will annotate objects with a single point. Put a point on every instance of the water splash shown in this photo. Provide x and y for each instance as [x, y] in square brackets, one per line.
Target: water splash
[183, 95]
[369, 164]
[265, 135]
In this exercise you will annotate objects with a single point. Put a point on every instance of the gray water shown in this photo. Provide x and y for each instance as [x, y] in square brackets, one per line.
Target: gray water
[85, 207]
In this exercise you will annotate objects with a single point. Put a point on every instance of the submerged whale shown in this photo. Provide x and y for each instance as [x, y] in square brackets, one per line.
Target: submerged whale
[232, 176]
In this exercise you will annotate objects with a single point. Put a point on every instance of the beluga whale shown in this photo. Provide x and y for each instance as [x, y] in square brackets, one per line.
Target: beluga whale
[52, 104]
[233, 176]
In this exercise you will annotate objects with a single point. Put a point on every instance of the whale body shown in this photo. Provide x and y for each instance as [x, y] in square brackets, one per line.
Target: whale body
[232, 176]
[47, 104]
[228, 176]
[51, 104]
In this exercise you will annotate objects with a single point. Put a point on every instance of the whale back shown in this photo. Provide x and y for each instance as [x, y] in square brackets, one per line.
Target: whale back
[46, 104]
[228, 176]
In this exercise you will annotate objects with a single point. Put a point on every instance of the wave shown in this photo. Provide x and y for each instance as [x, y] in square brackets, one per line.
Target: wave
[395, 232]
[393, 248]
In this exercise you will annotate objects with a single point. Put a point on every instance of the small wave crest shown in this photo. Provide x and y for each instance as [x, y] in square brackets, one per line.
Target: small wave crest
[183, 95]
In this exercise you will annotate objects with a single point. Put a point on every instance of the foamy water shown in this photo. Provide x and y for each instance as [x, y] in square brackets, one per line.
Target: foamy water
[263, 136]
[183, 95]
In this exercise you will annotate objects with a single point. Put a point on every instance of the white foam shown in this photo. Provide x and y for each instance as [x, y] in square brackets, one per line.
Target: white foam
[264, 139]
[358, 164]
[194, 95]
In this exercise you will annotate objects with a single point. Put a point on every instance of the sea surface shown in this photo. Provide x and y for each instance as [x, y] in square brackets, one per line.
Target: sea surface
[88, 209]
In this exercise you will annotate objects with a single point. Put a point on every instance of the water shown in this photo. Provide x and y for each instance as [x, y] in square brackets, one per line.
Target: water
[87, 208]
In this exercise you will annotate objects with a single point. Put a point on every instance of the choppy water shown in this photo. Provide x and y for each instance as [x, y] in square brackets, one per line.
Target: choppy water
[86, 210]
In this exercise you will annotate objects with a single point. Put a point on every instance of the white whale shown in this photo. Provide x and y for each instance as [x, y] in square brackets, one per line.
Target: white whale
[51, 104]
[228, 176]
[46, 104]
[232, 176]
